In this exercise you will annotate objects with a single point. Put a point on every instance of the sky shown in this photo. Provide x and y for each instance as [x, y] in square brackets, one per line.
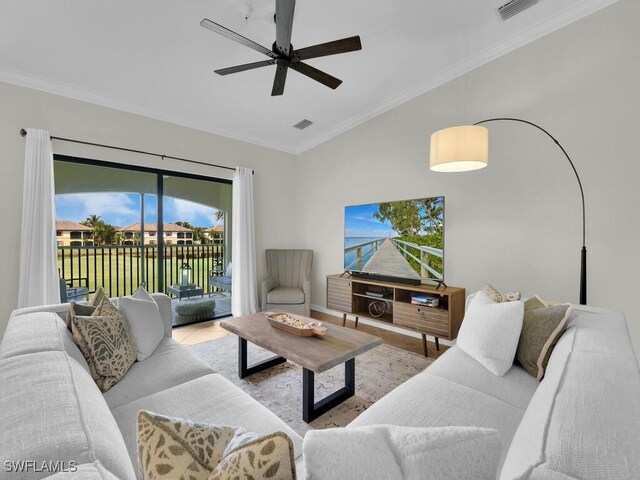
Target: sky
[122, 209]
[359, 222]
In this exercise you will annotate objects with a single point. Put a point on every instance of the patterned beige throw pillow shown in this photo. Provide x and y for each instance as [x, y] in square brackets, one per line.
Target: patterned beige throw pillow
[498, 297]
[542, 327]
[105, 342]
[173, 448]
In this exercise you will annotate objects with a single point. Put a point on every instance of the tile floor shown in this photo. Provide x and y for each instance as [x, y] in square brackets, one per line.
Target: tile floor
[202, 332]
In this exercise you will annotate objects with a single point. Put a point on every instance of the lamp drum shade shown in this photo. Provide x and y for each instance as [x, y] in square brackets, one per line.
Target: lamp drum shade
[459, 149]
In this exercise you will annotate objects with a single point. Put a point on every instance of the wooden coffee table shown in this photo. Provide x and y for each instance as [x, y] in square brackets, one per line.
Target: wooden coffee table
[314, 354]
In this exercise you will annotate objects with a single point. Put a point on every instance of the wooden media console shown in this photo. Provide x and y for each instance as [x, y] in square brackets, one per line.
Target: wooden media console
[350, 295]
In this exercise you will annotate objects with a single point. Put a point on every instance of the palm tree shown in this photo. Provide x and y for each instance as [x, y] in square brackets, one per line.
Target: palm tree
[199, 235]
[92, 221]
[184, 224]
[117, 238]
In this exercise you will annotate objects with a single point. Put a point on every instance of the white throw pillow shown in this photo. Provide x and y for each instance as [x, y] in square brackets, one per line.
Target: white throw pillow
[490, 332]
[145, 322]
[396, 453]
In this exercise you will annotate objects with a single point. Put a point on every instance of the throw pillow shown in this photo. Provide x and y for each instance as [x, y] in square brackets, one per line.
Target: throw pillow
[145, 322]
[542, 327]
[498, 297]
[490, 332]
[396, 452]
[106, 343]
[85, 308]
[170, 448]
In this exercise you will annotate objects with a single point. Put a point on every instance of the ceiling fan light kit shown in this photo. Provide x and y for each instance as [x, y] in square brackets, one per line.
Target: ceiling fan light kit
[282, 53]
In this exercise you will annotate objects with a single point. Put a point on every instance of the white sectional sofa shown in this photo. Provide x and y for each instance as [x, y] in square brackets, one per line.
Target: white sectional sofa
[581, 422]
[51, 410]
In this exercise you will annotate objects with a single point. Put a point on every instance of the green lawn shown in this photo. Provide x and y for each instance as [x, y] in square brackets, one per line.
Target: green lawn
[122, 274]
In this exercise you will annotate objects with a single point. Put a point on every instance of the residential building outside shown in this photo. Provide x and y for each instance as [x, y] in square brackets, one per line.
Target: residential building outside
[216, 234]
[73, 234]
[173, 234]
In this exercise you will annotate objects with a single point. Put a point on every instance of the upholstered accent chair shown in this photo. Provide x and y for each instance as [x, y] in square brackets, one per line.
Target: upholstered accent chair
[288, 283]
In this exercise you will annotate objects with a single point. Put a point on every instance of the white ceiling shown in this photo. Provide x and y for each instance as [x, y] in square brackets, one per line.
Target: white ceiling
[151, 57]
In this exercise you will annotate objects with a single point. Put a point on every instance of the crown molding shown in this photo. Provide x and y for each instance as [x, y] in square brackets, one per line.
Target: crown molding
[561, 19]
[76, 92]
[536, 31]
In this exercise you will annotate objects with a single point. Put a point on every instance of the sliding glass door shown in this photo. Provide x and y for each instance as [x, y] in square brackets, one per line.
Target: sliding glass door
[120, 227]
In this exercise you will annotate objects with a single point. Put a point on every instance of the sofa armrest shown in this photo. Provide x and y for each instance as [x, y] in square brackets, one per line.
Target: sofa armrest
[164, 305]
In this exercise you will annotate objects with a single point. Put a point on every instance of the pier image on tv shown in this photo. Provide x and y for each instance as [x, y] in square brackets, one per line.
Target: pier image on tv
[402, 239]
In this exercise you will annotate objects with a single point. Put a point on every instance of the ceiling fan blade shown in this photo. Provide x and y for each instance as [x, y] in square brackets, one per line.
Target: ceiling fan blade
[344, 45]
[284, 25]
[246, 66]
[317, 75]
[278, 81]
[236, 37]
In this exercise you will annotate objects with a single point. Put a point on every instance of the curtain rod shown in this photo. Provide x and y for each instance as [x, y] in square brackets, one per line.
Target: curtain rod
[23, 133]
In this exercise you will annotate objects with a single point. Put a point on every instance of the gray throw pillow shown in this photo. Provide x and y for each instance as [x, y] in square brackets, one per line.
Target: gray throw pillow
[542, 327]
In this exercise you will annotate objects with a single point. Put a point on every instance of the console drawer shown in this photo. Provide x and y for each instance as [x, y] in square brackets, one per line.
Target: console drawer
[426, 319]
[339, 294]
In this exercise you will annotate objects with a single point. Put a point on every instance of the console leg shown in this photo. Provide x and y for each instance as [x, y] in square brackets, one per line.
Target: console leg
[344, 319]
[356, 322]
[437, 344]
[424, 345]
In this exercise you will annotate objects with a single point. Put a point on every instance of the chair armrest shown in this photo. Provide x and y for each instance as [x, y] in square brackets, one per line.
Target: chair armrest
[268, 284]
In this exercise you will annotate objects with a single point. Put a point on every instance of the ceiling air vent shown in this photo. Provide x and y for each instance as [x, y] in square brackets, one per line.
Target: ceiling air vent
[514, 7]
[302, 124]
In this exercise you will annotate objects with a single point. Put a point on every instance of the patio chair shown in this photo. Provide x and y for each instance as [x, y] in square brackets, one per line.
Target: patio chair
[221, 282]
[68, 292]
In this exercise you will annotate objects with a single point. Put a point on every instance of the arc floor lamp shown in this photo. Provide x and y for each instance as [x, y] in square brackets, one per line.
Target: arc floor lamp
[466, 147]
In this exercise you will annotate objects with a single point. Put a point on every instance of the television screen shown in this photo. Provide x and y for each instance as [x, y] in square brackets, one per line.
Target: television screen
[400, 239]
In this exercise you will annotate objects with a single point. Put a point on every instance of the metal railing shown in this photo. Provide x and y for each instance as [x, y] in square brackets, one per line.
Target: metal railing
[120, 269]
[366, 247]
[420, 254]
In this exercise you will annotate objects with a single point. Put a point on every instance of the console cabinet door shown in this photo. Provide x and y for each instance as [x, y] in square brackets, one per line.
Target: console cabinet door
[424, 319]
[339, 294]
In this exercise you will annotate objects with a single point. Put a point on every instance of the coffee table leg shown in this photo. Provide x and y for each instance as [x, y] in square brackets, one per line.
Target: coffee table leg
[312, 410]
[244, 370]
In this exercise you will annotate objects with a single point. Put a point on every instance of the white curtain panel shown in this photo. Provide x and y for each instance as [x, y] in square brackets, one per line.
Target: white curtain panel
[244, 281]
[39, 281]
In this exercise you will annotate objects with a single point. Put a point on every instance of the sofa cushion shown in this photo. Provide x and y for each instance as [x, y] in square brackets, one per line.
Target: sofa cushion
[209, 399]
[516, 387]
[170, 365]
[52, 410]
[285, 296]
[39, 332]
[171, 448]
[393, 452]
[431, 401]
[583, 421]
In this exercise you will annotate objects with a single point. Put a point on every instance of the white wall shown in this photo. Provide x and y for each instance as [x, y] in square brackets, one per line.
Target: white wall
[515, 224]
[63, 117]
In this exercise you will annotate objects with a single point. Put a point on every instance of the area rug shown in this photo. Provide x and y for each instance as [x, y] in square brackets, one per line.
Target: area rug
[378, 371]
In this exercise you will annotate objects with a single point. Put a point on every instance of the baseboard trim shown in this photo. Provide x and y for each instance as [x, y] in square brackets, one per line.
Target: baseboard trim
[382, 325]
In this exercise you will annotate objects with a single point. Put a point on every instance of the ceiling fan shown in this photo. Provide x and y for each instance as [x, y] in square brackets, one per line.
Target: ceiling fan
[282, 53]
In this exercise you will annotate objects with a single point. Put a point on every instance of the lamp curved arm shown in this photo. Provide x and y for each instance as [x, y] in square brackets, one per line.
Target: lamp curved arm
[584, 216]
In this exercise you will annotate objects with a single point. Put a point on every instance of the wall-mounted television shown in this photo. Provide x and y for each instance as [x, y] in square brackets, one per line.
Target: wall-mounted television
[400, 240]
